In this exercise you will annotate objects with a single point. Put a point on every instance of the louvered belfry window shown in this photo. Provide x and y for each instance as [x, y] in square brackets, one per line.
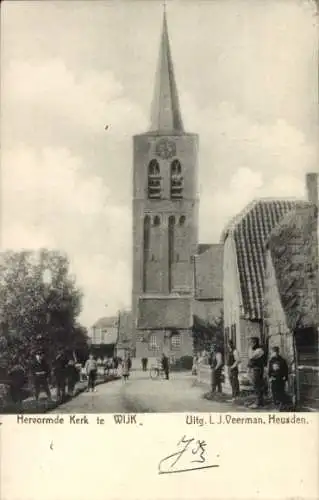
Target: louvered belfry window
[176, 180]
[154, 180]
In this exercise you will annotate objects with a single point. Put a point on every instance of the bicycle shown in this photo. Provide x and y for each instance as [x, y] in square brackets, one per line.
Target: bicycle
[156, 372]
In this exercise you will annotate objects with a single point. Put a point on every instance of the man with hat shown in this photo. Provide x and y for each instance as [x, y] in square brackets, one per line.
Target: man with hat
[216, 364]
[256, 364]
[40, 371]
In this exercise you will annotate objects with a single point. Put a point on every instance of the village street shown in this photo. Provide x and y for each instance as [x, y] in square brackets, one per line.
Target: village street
[142, 394]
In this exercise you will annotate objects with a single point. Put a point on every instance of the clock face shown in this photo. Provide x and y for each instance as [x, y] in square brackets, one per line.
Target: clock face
[165, 149]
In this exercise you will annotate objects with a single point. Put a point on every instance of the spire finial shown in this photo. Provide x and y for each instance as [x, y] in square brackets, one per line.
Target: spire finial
[165, 115]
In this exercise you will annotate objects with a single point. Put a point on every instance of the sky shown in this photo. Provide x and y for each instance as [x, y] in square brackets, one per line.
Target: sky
[247, 75]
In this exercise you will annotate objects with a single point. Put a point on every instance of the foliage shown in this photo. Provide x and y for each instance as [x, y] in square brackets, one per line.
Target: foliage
[39, 304]
[206, 334]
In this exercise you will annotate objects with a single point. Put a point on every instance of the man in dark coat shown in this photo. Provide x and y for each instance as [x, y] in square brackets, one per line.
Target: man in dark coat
[40, 371]
[216, 364]
[233, 361]
[60, 369]
[165, 365]
[256, 364]
[278, 376]
[17, 379]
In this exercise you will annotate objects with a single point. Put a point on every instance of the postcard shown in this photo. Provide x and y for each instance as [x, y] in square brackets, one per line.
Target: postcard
[159, 303]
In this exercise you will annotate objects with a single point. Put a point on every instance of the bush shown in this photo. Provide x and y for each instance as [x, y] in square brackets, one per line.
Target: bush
[182, 363]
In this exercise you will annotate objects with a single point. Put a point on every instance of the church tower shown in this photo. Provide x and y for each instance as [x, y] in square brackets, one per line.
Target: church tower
[165, 218]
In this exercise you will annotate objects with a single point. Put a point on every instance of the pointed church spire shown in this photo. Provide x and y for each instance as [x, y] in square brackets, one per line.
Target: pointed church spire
[165, 115]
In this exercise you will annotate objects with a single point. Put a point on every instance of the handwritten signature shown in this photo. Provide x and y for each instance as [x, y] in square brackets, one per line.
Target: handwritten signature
[188, 448]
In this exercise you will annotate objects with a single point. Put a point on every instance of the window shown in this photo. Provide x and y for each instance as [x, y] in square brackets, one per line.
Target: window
[176, 180]
[154, 180]
[227, 333]
[152, 344]
[176, 341]
[156, 220]
[233, 334]
[182, 220]
[171, 224]
[146, 242]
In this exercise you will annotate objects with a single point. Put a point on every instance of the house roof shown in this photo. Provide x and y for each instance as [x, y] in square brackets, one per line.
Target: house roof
[293, 246]
[106, 322]
[203, 247]
[250, 230]
[209, 272]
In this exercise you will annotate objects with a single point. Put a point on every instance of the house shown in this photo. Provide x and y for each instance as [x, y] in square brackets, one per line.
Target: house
[244, 241]
[103, 336]
[291, 297]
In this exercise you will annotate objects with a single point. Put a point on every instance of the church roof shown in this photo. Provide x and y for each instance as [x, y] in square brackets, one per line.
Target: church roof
[165, 115]
[203, 247]
[250, 231]
[106, 322]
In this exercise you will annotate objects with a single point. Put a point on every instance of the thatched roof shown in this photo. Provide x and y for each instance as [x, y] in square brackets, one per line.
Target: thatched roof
[293, 246]
[250, 230]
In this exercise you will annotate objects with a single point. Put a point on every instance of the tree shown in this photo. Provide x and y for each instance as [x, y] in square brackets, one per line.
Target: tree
[205, 333]
[39, 302]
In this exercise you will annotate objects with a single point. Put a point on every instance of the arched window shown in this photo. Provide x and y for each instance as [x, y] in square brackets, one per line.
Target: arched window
[182, 220]
[171, 220]
[176, 180]
[157, 221]
[146, 245]
[171, 237]
[154, 180]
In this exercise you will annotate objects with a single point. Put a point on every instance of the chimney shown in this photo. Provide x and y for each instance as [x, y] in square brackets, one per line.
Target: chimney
[312, 188]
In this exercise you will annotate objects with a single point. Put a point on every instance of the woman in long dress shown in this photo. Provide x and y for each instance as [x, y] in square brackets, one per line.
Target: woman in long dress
[125, 369]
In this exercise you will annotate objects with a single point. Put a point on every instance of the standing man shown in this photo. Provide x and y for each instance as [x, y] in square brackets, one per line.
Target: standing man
[165, 365]
[233, 362]
[216, 364]
[72, 376]
[129, 363]
[17, 378]
[59, 370]
[91, 371]
[278, 376]
[40, 371]
[256, 364]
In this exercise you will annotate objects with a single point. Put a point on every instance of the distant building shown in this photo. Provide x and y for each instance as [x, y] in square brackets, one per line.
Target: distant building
[104, 335]
[165, 228]
[124, 342]
[245, 240]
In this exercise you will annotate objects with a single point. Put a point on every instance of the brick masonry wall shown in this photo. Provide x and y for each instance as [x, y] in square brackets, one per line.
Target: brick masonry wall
[164, 345]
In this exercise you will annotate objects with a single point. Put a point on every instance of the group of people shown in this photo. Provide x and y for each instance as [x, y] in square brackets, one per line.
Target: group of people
[63, 372]
[276, 370]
